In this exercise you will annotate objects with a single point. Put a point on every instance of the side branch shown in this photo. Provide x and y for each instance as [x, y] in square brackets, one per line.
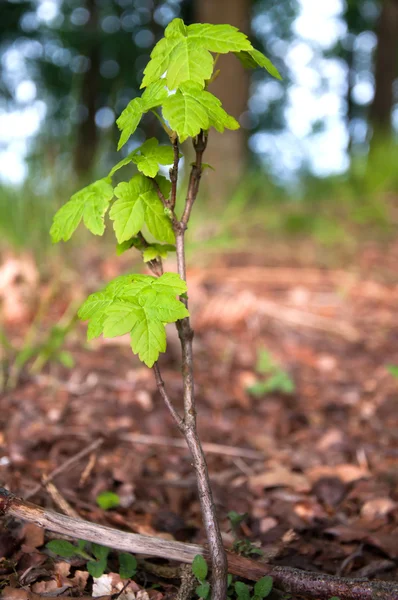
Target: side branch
[292, 581]
[167, 205]
[174, 173]
[167, 401]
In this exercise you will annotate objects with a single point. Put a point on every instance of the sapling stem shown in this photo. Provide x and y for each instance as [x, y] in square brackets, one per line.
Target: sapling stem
[187, 425]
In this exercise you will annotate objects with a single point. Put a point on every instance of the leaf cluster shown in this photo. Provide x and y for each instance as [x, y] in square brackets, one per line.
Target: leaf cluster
[96, 557]
[140, 305]
[175, 79]
[272, 377]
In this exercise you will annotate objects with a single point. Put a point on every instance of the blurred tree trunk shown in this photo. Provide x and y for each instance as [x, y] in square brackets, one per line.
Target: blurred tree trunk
[386, 70]
[227, 152]
[87, 134]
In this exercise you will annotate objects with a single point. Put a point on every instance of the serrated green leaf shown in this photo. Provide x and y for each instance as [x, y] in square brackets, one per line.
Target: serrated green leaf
[96, 568]
[129, 120]
[263, 587]
[89, 204]
[127, 565]
[121, 318]
[203, 590]
[199, 567]
[138, 202]
[191, 109]
[251, 59]
[132, 114]
[63, 548]
[242, 591]
[170, 283]
[148, 339]
[184, 53]
[150, 155]
[157, 251]
[123, 247]
[128, 212]
[141, 305]
[107, 500]
[218, 38]
[189, 61]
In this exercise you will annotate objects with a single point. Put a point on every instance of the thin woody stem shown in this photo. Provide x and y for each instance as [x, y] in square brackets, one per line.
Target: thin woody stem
[165, 396]
[174, 173]
[166, 203]
[217, 553]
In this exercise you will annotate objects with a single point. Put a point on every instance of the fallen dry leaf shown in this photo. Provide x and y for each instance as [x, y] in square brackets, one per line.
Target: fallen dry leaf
[346, 472]
[378, 507]
[279, 476]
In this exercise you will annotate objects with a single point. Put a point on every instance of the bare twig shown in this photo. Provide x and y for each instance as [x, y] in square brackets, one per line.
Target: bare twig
[60, 501]
[293, 581]
[174, 173]
[64, 467]
[166, 203]
[163, 393]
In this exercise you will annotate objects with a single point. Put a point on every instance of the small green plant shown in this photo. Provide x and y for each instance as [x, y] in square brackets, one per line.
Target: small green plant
[107, 500]
[261, 589]
[244, 547]
[393, 370]
[272, 378]
[145, 216]
[37, 348]
[96, 557]
[200, 570]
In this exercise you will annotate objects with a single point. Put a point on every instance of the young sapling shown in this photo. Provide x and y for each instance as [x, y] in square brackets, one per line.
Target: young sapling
[175, 84]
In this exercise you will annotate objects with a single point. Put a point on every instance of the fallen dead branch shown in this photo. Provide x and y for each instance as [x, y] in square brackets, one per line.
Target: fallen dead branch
[293, 581]
[10, 593]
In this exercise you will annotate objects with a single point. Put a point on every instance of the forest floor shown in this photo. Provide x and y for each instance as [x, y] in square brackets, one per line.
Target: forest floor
[294, 391]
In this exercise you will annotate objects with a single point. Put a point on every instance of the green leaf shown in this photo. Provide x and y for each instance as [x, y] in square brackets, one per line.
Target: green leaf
[157, 251]
[393, 370]
[254, 58]
[132, 114]
[199, 567]
[100, 552]
[150, 155]
[263, 587]
[203, 590]
[89, 204]
[107, 500]
[242, 591]
[137, 203]
[63, 548]
[96, 568]
[127, 565]
[218, 38]
[236, 518]
[66, 359]
[139, 305]
[124, 246]
[148, 339]
[147, 157]
[184, 53]
[265, 363]
[191, 109]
